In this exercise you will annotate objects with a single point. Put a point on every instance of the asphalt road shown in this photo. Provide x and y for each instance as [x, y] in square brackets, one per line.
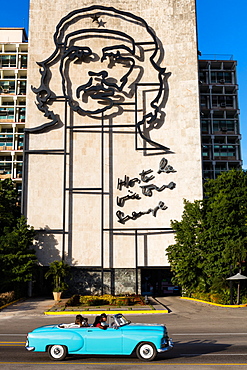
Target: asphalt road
[205, 337]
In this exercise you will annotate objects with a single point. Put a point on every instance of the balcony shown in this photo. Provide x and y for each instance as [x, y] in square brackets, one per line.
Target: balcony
[4, 175]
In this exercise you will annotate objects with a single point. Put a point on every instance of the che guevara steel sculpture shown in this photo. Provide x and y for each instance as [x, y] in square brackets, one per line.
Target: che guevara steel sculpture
[97, 37]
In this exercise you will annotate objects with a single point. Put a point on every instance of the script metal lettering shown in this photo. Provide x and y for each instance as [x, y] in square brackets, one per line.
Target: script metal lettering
[121, 201]
[127, 182]
[147, 190]
[122, 218]
[144, 176]
[165, 167]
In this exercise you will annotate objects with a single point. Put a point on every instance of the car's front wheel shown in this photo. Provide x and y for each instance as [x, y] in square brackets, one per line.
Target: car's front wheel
[146, 351]
[57, 352]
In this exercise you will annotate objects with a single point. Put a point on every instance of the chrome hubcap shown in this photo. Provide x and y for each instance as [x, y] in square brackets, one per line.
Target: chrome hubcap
[146, 351]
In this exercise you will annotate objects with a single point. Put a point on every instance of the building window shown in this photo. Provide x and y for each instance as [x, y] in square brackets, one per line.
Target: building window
[5, 168]
[6, 114]
[205, 126]
[223, 125]
[225, 151]
[220, 167]
[7, 61]
[208, 171]
[19, 170]
[206, 151]
[7, 87]
[23, 85]
[221, 77]
[22, 115]
[203, 77]
[222, 101]
[20, 142]
[23, 61]
[203, 101]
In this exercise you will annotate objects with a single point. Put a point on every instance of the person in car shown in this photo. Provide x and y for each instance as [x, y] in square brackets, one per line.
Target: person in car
[80, 322]
[100, 321]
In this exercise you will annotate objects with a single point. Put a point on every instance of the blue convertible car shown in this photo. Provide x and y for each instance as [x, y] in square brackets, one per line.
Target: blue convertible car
[121, 338]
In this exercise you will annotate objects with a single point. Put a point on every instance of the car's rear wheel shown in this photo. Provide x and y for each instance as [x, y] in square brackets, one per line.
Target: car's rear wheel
[146, 351]
[57, 352]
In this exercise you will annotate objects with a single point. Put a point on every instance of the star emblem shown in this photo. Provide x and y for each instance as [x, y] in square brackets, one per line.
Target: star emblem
[95, 18]
[101, 23]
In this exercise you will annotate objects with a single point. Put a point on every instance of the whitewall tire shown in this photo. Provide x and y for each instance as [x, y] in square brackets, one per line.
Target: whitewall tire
[57, 352]
[146, 351]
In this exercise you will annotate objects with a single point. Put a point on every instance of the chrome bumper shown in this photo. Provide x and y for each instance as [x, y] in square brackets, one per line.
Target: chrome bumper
[30, 348]
[167, 348]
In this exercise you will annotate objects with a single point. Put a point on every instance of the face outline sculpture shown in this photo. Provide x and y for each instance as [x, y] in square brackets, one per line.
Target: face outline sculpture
[95, 77]
[103, 91]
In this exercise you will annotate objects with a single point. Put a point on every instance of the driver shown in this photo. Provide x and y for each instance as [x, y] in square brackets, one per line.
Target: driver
[100, 321]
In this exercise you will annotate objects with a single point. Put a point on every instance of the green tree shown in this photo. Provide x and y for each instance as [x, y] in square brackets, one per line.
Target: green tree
[17, 259]
[211, 238]
[226, 223]
[187, 255]
[9, 209]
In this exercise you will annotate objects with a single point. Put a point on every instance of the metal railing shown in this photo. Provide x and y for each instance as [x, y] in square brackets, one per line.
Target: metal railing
[216, 57]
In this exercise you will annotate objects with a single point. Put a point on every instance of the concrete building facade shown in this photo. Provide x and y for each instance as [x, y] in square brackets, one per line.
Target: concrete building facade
[13, 82]
[112, 143]
[220, 126]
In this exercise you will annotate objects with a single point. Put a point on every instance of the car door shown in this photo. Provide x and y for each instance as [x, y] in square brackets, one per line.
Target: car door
[99, 341]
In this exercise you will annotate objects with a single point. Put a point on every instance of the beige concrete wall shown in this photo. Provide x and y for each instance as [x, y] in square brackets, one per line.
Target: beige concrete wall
[175, 27]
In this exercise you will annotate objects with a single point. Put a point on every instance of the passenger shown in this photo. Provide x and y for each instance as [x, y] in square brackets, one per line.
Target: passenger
[85, 322]
[80, 322]
[100, 321]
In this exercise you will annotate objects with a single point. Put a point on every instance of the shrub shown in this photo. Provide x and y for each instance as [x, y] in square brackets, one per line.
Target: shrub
[244, 300]
[89, 300]
[6, 298]
[73, 301]
[220, 297]
[201, 295]
[215, 298]
[120, 302]
[99, 301]
[108, 299]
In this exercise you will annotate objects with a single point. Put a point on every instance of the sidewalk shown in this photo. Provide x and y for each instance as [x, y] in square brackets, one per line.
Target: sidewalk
[41, 306]
[29, 306]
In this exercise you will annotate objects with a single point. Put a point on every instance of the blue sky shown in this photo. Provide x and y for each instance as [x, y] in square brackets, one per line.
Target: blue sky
[222, 29]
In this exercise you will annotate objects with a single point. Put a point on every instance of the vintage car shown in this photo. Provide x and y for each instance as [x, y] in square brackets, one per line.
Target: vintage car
[121, 338]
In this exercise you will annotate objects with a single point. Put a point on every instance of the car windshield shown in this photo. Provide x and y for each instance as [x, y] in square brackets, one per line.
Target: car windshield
[121, 320]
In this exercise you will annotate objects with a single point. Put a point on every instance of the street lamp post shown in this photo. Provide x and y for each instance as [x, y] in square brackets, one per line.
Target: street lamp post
[237, 278]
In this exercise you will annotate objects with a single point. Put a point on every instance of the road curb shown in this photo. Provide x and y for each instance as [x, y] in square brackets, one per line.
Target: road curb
[88, 313]
[13, 302]
[215, 304]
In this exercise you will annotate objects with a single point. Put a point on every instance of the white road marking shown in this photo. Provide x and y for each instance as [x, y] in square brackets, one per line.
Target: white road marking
[212, 354]
[13, 335]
